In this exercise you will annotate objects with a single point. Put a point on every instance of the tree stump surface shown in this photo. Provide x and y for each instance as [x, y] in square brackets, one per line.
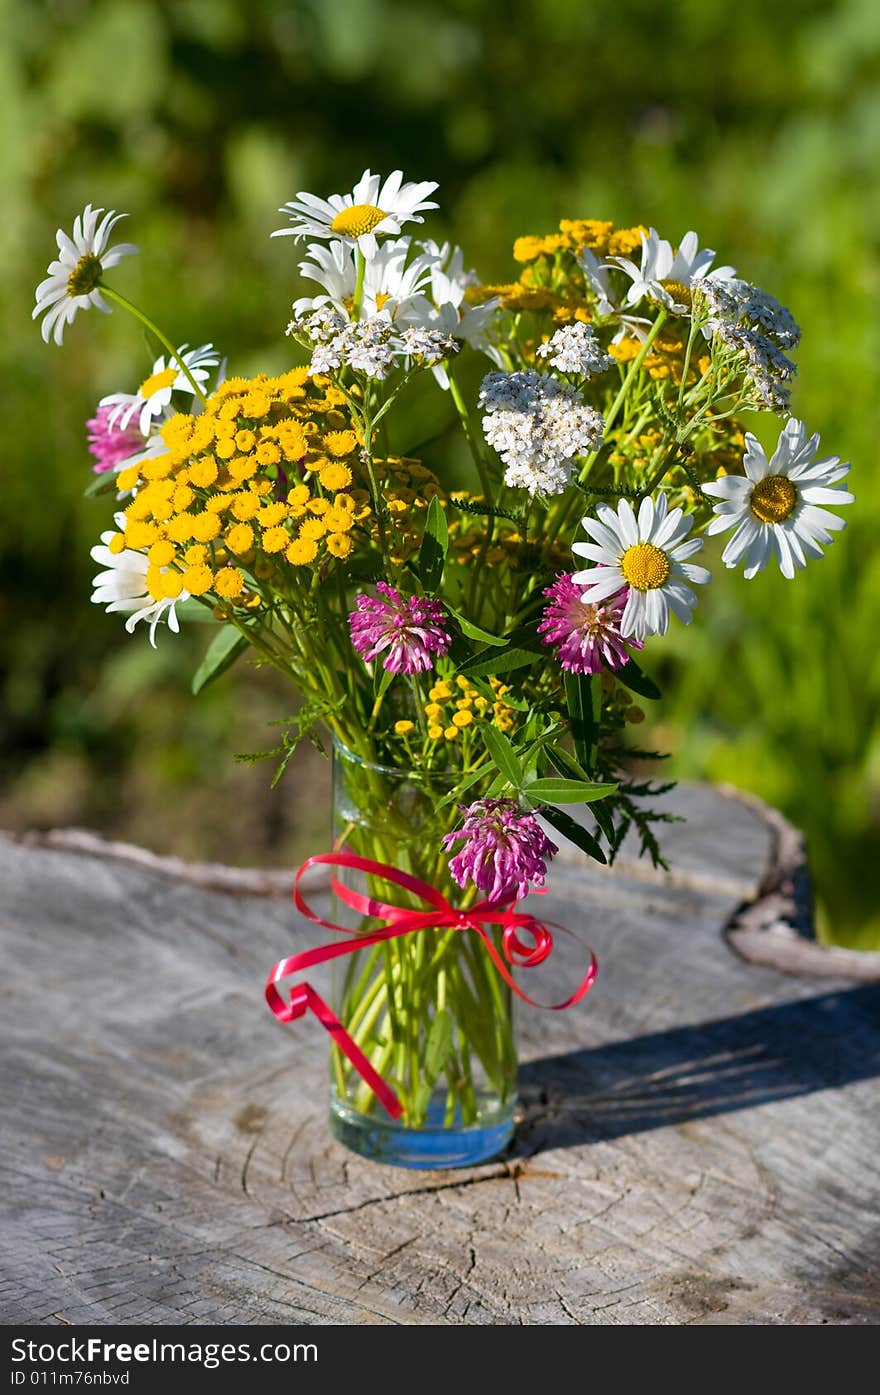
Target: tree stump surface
[699, 1138]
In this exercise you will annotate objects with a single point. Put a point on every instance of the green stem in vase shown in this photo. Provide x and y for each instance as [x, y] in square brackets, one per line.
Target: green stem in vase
[425, 1007]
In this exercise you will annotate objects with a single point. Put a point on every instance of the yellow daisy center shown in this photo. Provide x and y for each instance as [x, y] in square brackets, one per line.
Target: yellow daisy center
[680, 293]
[85, 275]
[773, 499]
[360, 218]
[645, 566]
[156, 382]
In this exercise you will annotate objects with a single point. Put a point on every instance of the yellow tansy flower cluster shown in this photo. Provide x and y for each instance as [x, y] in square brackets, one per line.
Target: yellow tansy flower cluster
[408, 488]
[455, 705]
[601, 237]
[261, 477]
[551, 279]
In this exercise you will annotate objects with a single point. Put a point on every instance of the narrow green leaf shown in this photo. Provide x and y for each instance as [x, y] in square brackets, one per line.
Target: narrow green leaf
[102, 484]
[222, 653]
[631, 676]
[568, 791]
[432, 554]
[602, 814]
[566, 764]
[473, 631]
[504, 756]
[382, 680]
[579, 699]
[578, 835]
[465, 783]
[437, 1045]
[501, 661]
[522, 644]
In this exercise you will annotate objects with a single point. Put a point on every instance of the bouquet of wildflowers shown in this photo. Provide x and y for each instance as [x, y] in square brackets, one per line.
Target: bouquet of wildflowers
[468, 641]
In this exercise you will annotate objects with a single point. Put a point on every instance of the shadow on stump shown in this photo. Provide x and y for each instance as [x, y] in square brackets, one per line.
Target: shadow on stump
[697, 1072]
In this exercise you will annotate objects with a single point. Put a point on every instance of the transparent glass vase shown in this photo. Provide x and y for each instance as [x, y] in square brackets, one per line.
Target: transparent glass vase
[428, 1009]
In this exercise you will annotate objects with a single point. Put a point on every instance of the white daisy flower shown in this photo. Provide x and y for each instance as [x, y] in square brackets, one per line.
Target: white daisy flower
[445, 311]
[648, 557]
[775, 506]
[607, 307]
[72, 283]
[389, 283]
[154, 394]
[665, 275]
[123, 586]
[369, 211]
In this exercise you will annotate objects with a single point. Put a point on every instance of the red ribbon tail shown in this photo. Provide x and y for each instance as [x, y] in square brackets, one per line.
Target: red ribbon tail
[304, 998]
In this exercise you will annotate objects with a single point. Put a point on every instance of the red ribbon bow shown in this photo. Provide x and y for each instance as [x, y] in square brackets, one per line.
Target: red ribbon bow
[515, 951]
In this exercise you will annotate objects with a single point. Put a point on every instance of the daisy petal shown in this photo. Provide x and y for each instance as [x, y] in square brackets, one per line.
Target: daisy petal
[628, 526]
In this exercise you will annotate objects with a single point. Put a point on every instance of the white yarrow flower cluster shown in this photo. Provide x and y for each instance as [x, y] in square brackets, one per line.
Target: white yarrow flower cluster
[322, 325]
[752, 322]
[372, 346]
[537, 425]
[366, 346]
[431, 346]
[575, 349]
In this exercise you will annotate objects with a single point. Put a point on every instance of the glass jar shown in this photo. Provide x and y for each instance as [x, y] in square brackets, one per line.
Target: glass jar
[428, 1008]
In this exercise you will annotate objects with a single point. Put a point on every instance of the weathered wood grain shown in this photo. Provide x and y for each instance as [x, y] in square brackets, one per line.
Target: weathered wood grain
[699, 1138]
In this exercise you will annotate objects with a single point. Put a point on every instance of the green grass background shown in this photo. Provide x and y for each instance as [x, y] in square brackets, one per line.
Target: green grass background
[756, 124]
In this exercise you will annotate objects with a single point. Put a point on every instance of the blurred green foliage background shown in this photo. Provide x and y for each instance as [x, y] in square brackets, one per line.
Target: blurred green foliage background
[756, 124]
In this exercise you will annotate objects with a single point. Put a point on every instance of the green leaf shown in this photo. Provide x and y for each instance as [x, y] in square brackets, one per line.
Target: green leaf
[473, 631]
[432, 554]
[631, 676]
[566, 764]
[504, 756]
[105, 483]
[437, 1045]
[579, 699]
[522, 644]
[572, 830]
[381, 684]
[502, 661]
[465, 783]
[602, 814]
[222, 653]
[568, 791]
